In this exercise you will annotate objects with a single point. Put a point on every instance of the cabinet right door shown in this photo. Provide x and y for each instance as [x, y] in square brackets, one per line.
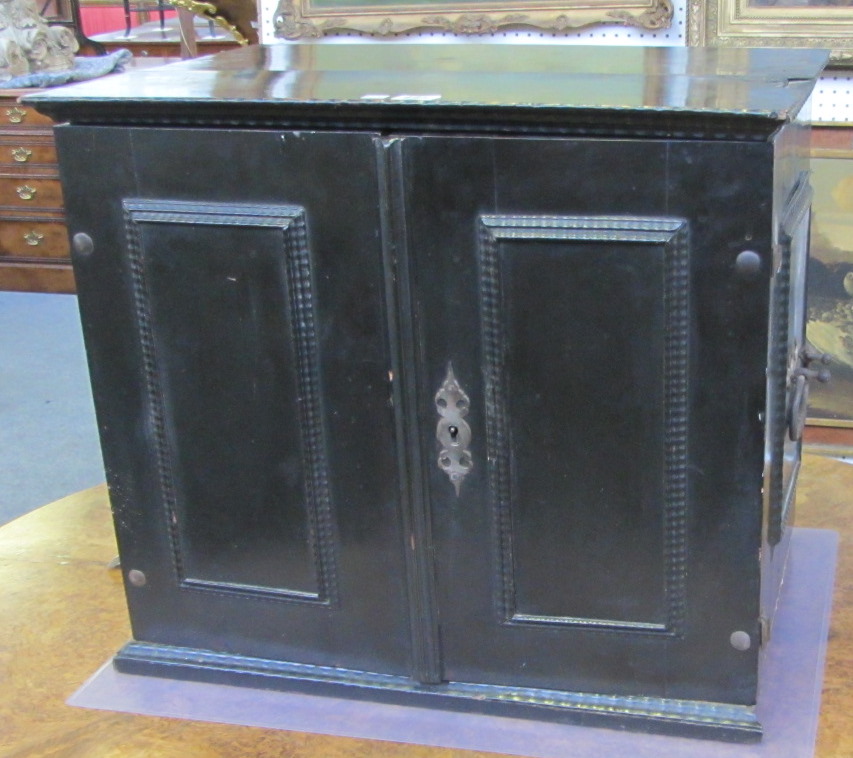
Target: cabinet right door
[590, 381]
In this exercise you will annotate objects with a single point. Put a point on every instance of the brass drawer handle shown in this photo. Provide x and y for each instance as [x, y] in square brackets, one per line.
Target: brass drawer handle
[25, 192]
[16, 115]
[33, 238]
[453, 433]
[21, 154]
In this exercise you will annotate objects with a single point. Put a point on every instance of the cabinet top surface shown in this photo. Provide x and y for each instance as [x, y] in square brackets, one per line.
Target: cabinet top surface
[377, 81]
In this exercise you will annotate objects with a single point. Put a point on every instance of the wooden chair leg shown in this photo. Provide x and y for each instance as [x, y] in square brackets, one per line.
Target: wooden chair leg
[189, 44]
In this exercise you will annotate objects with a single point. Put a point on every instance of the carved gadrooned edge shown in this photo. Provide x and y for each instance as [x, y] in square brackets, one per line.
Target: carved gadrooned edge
[301, 305]
[456, 118]
[676, 371]
[155, 411]
[290, 221]
[780, 299]
[292, 22]
[495, 402]
[673, 234]
[666, 715]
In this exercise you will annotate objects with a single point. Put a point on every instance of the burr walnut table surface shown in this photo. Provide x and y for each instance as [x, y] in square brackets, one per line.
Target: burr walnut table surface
[63, 614]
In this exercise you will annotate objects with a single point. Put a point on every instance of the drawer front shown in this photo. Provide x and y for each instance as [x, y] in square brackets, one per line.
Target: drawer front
[29, 276]
[16, 115]
[27, 192]
[34, 239]
[26, 150]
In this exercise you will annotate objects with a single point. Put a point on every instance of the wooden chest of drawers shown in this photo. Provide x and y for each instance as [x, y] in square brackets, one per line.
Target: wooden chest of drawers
[34, 254]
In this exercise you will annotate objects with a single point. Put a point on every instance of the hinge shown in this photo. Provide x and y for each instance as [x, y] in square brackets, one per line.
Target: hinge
[763, 630]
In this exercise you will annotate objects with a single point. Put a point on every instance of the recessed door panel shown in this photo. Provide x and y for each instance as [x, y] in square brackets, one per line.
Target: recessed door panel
[225, 303]
[609, 328]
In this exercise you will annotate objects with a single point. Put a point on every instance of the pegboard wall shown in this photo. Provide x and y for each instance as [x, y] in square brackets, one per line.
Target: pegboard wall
[832, 100]
[603, 35]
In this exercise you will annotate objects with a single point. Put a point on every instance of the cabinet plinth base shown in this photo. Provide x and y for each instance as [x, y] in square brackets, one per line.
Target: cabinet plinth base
[683, 718]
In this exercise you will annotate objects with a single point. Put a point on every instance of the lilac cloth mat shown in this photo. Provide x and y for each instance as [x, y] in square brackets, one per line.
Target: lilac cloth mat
[789, 703]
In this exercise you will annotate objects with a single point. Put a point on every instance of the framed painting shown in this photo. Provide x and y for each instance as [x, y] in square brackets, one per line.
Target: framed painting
[774, 23]
[295, 19]
[830, 278]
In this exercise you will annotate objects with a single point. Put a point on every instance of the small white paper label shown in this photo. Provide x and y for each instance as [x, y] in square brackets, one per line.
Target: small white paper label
[415, 98]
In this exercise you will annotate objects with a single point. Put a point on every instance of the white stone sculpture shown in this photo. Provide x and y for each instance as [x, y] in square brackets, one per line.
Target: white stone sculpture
[28, 44]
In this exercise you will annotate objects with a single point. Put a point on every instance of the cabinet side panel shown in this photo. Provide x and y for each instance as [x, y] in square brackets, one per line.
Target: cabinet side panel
[787, 339]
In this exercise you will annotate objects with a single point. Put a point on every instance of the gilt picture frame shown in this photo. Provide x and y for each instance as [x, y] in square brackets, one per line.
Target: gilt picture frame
[830, 278]
[299, 19]
[774, 23]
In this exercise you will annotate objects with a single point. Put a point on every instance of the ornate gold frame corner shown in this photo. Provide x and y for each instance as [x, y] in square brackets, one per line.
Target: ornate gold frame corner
[298, 19]
[737, 23]
[235, 16]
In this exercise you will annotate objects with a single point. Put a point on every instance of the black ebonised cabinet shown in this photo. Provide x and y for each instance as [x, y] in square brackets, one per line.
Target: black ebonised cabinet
[425, 375]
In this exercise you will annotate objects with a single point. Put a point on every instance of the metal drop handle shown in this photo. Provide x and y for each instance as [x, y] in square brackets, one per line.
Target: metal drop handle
[16, 115]
[800, 377]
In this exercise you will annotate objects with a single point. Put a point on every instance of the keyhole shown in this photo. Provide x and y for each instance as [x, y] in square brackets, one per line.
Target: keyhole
[454, 432]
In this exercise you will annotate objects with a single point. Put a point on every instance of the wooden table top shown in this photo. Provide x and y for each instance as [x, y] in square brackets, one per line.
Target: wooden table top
[63, 615]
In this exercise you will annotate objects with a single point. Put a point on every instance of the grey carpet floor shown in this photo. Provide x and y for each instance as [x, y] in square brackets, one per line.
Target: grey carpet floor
[48, 435]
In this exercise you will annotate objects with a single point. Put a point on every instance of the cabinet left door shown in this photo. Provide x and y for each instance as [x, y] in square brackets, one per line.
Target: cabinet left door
[232, 294]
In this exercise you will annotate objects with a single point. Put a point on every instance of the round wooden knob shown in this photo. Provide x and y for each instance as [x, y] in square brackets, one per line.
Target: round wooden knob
[83, 244]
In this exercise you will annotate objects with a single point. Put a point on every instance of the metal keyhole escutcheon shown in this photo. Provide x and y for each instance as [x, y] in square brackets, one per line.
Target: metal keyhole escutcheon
[453, 433]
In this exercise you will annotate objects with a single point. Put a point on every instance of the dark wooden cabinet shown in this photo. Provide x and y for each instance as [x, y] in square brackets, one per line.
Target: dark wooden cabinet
[446, 398]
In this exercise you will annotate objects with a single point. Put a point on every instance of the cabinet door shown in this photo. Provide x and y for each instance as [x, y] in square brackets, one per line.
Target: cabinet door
[232, 298]
[590, 384]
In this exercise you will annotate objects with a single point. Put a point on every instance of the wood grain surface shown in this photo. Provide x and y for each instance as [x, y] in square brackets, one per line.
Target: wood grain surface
[62, 614]
[825, 501]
